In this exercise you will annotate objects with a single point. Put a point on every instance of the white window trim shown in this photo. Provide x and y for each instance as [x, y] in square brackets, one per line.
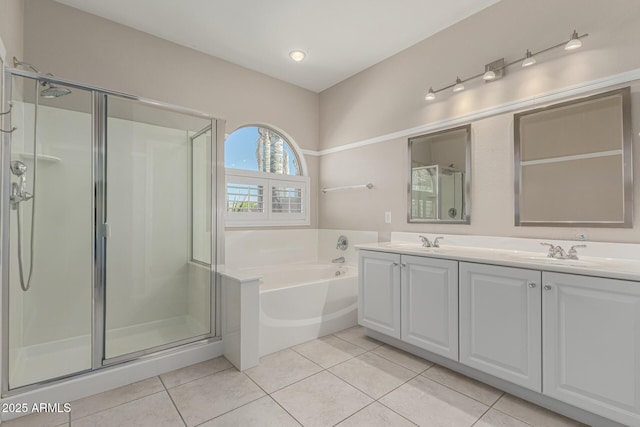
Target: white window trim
[268, 218]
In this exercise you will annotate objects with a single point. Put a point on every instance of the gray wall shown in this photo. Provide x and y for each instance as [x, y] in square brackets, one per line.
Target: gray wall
[75, 45]
[11, 19]
[388, 98]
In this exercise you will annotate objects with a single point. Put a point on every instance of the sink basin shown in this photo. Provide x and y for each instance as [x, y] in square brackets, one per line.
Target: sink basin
[418, 247]
[543, 259]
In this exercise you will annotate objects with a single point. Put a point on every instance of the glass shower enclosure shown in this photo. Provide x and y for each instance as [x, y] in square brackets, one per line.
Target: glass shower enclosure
[108, 229]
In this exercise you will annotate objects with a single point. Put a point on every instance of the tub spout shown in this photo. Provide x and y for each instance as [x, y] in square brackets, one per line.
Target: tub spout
[338, 260]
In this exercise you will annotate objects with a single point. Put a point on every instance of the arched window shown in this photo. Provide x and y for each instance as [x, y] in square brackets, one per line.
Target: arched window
[265, 181]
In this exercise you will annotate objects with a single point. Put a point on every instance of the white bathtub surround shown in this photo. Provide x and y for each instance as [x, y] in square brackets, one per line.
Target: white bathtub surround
[328, 239]
[304, 303]
[302, 294]
[239, 318]
[256, 248]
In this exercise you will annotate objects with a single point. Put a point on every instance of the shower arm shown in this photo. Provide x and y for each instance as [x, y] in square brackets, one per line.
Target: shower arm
[17, 63]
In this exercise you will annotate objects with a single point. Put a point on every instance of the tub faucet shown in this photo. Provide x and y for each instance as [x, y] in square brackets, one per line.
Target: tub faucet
[343, 243]
[338, 260]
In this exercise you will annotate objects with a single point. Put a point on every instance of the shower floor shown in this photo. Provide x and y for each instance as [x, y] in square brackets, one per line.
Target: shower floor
[41, 362]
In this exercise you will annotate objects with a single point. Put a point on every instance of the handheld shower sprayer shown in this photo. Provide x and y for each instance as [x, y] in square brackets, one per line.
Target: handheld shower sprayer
[19, 192]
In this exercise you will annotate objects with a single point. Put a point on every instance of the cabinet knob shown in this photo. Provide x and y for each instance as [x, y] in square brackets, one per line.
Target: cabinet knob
[532, 285]
[547, 287]
[395, 264]
[403, 265]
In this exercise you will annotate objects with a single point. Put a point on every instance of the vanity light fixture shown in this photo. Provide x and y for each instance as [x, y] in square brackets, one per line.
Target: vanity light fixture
[489, 75]
[496, 69]
[528, 59]
[459, 86]
[297, 55]
[574, 42]
[431, 95]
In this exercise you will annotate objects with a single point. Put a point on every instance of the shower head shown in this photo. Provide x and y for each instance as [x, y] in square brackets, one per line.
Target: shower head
[53, 91]
[50, 90]
[18, 168]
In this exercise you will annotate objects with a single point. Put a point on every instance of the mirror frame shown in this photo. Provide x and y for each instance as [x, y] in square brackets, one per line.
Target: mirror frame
[627, 163]
[466, 191]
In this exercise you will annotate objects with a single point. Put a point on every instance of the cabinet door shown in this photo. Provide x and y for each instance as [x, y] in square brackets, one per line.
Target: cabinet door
[500, 325]
[429, 304]
[591, 330]
[379, 292]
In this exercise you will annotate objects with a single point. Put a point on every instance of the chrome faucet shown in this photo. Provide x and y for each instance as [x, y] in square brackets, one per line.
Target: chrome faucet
[426, 243]
[556, 251]
[339, 260]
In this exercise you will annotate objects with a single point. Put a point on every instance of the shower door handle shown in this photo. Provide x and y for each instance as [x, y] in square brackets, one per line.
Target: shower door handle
[106, 230]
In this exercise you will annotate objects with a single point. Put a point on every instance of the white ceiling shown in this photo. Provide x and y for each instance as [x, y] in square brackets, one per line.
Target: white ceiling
[341, 37]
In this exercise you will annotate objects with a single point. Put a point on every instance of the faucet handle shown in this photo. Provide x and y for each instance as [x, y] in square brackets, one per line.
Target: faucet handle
[425, 242]
[552, 249]
[436, 241]
[572, 253]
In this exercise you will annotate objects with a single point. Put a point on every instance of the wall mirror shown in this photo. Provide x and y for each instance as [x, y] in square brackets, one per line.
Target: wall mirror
[439, 176]
[573, 163]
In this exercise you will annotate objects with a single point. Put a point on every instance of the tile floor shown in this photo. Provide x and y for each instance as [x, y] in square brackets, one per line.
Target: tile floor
[344, 379]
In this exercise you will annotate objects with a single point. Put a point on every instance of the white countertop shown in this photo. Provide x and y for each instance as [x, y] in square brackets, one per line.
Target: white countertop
[617, 268]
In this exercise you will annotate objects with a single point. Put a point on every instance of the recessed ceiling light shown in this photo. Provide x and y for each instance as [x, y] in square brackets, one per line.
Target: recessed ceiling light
[297, 55]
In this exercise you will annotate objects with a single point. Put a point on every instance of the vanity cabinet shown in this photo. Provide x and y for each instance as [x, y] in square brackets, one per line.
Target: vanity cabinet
[574, 338]
[591, 342]
[379, 292]
[500, 323]
[429, 304]
[411, 298]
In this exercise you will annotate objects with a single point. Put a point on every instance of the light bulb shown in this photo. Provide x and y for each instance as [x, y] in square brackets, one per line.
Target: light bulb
[297, 55]
[431, 95]
[459, 86]
[528, 59]
[574, 42]
[489, 75]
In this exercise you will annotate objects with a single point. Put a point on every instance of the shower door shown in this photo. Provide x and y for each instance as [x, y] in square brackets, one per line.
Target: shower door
[47, 219]
[158, 278]
[107, 230]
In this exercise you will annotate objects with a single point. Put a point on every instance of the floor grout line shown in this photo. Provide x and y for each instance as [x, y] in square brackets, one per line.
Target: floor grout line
[166, 390]
[115, 406]
[199, 378]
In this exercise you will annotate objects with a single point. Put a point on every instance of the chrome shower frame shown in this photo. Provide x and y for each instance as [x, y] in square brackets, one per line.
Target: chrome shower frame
[99, 159]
